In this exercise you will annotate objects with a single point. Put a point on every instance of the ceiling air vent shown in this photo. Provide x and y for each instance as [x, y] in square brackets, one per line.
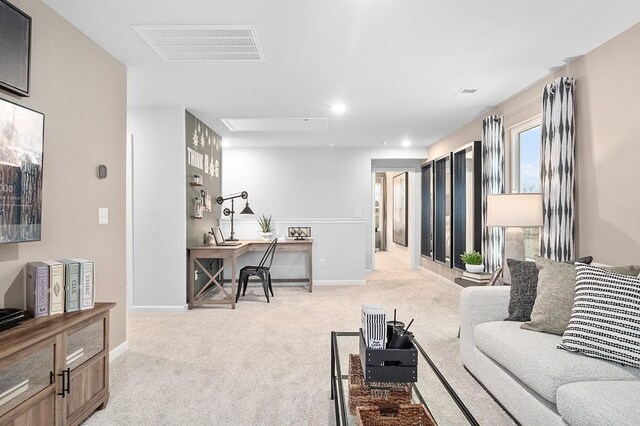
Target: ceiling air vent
[202, 42]
[465, 92]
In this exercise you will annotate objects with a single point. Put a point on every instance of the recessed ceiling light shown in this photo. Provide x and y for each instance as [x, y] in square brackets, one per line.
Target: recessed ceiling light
[384, 144]
[338, 108]
[406, 143]
[332, 144]
[225, 144]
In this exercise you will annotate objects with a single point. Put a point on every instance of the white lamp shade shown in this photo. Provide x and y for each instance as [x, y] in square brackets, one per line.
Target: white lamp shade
[514, 210]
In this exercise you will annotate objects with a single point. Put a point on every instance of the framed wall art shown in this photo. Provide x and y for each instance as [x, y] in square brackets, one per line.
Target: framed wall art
[400, 209]
[21, 161]
[15, 49]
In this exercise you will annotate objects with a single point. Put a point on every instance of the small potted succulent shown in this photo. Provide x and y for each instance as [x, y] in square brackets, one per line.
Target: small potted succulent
[265, 227]
[473, 261]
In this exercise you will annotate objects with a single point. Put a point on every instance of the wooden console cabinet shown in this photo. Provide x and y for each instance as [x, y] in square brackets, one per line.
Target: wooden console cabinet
[55, 370]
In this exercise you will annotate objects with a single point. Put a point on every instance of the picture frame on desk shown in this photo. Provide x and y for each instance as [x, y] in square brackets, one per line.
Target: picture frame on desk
[299, 232]
[217, 236]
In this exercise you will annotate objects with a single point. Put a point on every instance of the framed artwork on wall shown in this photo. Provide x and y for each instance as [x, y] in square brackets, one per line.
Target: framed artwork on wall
[21, 161]
[400, 209]
[15, 49]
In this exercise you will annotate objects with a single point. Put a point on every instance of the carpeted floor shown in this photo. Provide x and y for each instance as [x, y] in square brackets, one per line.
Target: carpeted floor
[269, 364]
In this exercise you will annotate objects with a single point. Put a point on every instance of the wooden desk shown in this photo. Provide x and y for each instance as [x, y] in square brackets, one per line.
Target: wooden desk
[231, 253]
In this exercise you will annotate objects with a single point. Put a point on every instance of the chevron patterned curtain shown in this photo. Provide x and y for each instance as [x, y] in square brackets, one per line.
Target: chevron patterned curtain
[557, 170]
[492, 183]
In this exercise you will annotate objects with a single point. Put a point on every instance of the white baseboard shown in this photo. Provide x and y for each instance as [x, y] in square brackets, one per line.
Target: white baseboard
[258, 284]
[300, 221]
[118, 350]
[162, 309]
[339, 282]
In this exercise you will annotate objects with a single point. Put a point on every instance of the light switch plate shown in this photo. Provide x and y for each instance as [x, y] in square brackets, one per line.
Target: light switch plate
[103, 216]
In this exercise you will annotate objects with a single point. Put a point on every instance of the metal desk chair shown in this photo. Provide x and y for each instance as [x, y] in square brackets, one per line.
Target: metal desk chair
[261, 271]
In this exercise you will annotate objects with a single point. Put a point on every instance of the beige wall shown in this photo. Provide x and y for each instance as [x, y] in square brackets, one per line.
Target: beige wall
[607, 145]
[82, 92]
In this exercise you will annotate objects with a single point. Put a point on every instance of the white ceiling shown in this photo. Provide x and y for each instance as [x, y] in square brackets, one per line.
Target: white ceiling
[396, 64]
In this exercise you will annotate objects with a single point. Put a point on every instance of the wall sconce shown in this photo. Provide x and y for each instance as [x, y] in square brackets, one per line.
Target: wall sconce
[247, 210]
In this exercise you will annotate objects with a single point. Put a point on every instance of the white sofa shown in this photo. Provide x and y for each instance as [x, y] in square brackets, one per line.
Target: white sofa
[534, 381]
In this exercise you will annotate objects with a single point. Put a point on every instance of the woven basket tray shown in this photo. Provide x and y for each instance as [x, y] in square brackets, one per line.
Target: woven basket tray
[366, 394]
[402, 415]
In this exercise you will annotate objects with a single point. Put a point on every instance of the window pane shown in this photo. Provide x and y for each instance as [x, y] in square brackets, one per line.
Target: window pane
[529, 144]
[529, 141]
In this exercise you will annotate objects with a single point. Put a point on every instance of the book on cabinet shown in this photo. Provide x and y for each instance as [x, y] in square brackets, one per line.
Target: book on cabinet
[37, 297]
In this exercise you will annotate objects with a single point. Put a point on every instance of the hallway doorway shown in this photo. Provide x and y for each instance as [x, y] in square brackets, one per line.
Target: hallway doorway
[393, 220]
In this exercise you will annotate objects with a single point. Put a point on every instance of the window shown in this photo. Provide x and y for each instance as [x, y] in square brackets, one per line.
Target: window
[525, 159]
[526, 141]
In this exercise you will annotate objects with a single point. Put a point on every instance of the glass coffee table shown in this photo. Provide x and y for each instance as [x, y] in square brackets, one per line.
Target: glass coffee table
[431, 389]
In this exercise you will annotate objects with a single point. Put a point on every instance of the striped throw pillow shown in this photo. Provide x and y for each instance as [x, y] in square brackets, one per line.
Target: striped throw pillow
[605, 321]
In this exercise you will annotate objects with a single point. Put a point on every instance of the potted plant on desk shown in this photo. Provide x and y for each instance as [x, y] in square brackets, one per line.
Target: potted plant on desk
[473, 261]
[265, 227]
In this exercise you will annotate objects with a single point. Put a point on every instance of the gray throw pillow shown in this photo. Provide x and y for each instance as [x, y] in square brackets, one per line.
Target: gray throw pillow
[524, 281]
[555, 294]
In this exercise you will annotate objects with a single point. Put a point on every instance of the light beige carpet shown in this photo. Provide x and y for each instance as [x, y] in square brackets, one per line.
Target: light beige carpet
[269, 364]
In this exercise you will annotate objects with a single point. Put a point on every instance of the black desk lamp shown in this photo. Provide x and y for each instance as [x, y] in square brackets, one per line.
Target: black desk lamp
[247, 210]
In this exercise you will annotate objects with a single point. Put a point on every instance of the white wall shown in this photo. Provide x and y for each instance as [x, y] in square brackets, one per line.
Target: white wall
[159, 242]
[320, 187]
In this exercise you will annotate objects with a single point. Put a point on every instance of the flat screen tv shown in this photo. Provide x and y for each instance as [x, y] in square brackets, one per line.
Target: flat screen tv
[15, 49]
[21, 160]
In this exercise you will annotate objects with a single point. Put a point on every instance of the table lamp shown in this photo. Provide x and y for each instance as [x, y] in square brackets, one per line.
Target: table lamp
[513, 211]
[247, 210]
